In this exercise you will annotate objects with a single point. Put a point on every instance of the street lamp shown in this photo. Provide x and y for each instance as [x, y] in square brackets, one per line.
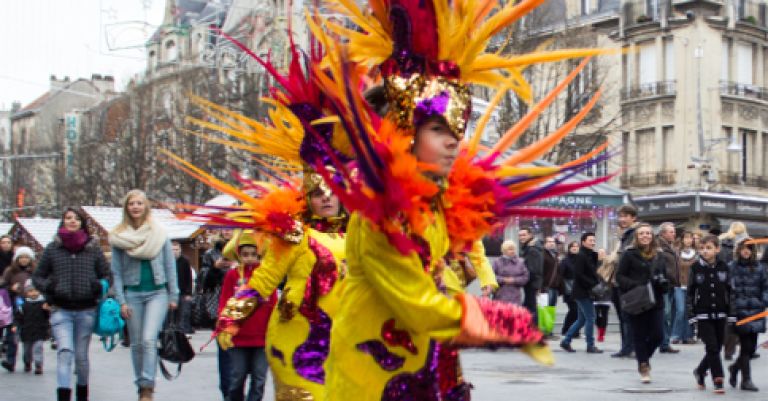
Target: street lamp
[704, 162]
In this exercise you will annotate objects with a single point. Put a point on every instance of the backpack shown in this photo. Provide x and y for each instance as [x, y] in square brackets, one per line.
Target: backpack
[6, 308]
[108, 323]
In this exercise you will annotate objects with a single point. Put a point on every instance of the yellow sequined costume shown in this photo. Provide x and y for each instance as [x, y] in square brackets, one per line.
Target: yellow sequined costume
[298, 331]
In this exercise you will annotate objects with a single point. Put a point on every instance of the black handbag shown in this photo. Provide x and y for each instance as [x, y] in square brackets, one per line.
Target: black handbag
[568, 286]
[174, 346]
[638, 299]
[206, 308]
[599, 290]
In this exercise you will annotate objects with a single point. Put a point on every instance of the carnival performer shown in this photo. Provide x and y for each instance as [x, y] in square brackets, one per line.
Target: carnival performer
[309, 255]
[419, 197]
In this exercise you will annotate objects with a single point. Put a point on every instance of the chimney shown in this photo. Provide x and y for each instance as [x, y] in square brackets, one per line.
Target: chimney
[105, 84]
[58, 83]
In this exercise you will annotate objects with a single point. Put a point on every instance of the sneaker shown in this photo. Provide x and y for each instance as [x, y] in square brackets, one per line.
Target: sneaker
[719, 389]
[38, 369]
[700, 378]
[668, 350]
[27, 367]
[10, 368]
[567, 347]
[620, 355]
[690, 341]
[645, 372]
[594, 350]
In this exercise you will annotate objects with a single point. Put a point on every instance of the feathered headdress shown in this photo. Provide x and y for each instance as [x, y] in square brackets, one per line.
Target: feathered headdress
[428, 52]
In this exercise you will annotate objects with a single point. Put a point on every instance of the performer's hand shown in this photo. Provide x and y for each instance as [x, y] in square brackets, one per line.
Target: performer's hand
[225, 340]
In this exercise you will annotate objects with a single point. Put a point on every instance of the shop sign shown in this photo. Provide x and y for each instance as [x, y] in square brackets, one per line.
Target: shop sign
[658, 207]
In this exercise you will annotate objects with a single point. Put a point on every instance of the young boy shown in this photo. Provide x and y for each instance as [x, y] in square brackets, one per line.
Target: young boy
[709, 303]
[247, 355]
[32, 318]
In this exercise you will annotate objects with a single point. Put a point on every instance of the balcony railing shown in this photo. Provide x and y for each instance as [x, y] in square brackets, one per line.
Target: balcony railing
[743, 90]
[751, 12]
[638, 12]
[648, 179]
[730, 178]
[661, 88]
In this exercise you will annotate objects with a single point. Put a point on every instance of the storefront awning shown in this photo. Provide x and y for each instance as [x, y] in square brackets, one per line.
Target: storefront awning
[685, 204]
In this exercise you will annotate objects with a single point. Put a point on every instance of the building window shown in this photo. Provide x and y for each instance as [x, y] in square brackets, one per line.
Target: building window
[586, 7]
[645, 151]
[669, 60]
[647, 68]
[668, 153]
[765, 152]
[171, 51]
[732, 157]
[725, 61]
[744, 63]
[749, 154]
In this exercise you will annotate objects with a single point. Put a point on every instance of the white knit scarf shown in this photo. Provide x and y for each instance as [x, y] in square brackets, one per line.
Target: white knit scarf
[142, 243]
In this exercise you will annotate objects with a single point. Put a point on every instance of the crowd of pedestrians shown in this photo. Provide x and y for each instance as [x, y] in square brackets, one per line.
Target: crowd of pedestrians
[665, 284]
[699, 283]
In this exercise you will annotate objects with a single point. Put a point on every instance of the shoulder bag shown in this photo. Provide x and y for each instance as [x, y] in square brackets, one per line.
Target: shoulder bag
[638, 299]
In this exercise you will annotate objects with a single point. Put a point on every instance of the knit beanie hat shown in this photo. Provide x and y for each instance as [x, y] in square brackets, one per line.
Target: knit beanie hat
[24, 251]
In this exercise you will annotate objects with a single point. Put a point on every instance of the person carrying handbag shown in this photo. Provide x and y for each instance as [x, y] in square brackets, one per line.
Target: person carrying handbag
[585, 281]
[641, 271]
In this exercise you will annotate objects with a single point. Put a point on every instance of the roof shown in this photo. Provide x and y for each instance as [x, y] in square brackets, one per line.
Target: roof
[41, 230]
[5, 227]
[109, 217]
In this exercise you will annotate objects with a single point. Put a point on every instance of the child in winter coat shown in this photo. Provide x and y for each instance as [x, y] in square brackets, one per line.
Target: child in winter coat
[14, 278]
[247, 355]
[33, 322]
[709, 291]
[748, 297]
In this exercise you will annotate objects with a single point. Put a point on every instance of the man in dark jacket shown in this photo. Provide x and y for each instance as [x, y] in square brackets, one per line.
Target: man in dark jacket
[531, 252]
[214, 268]
[585, 279]
[6, 253]
[627, 221]
[672, 266]
[184, 276]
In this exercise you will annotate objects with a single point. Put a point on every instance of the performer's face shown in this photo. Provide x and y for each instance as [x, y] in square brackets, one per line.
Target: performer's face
[324, 205]
[436, 145]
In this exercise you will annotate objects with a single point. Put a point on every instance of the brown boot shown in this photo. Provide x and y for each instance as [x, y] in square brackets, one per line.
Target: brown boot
[645, 372]
[145, 393]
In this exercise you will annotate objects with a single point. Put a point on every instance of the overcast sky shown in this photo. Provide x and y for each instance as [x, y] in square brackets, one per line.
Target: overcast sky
[75, 38]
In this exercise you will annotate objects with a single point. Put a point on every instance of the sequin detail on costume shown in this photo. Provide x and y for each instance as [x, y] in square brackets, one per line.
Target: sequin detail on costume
[378, 350]
[286, 392]
[321, 280]
[277, 354]
[309, 357]
[397, 338]
[449, 377]
[418, 386]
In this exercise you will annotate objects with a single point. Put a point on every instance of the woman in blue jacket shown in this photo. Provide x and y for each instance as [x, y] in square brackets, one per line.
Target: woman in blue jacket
[144, 270]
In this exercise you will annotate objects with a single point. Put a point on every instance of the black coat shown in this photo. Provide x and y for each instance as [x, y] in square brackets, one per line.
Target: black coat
[749, 293]
[184, 276]
[709, 290]
[6, 258]
[210, 277]
[32, 321]
[584, 273]
[565, 270]
[71, 280]
[634, 271]
[533, 255]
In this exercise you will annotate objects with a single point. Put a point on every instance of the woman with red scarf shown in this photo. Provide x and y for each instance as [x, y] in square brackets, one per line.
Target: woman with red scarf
[69, 275]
